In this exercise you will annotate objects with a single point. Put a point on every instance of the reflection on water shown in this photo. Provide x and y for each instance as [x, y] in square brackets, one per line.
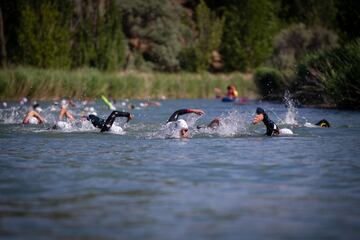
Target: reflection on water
[220, 184]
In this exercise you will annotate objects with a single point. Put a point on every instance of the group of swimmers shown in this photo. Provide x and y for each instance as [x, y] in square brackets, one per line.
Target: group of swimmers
[178, 126]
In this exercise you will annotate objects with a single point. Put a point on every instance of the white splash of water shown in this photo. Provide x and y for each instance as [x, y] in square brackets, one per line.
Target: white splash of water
[231, 124]
[291, 114]
[11, 115]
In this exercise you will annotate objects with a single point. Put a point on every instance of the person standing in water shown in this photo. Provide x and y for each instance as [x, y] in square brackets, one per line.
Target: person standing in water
[105, 125]
[179, 125]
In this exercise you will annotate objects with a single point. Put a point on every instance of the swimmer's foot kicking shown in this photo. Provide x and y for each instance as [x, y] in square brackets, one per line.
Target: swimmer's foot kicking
[180, 125]
[105, 125]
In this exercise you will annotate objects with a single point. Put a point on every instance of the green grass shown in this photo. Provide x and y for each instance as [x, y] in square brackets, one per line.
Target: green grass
[89, 83]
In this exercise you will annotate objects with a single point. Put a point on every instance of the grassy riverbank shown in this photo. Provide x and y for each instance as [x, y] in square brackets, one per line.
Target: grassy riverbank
[90, 83]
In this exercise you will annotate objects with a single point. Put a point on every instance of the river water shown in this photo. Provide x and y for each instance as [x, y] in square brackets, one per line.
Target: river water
[231, 183]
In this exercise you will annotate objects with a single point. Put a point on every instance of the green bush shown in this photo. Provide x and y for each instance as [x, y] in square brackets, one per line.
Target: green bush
[331, 75]
[270, 82]
[292, 44]
[248, 33]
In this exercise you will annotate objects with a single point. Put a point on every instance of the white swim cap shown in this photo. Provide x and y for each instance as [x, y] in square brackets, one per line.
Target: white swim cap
[33, 120]
[64, 103]
[181, 124]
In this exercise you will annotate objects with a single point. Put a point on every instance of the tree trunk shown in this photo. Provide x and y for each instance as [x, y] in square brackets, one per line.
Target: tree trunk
[2, 41]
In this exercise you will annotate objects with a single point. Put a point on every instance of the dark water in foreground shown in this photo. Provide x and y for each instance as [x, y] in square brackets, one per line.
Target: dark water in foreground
[231, 184]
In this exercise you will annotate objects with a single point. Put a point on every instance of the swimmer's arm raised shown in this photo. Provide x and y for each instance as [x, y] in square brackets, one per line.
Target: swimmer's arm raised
[176, 114]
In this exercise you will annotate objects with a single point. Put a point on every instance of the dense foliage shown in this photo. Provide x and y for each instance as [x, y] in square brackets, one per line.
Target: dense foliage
[289, 37]
[167, 35]
[334, 73]
[270, 82]
[248, 33]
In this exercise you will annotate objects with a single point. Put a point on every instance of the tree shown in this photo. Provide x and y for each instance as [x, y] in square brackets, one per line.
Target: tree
[44, 40]
[155, 31]
[99, 39]
[247, 39]
[2, 41]
[197, 57]
[311, 13]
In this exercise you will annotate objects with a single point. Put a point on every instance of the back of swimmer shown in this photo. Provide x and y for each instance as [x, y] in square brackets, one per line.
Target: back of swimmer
[105, 125]
[33, 116]
[323, 123]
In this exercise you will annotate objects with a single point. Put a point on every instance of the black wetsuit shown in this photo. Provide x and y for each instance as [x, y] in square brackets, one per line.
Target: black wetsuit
[174, 117]
[271, 127]
[103, 124]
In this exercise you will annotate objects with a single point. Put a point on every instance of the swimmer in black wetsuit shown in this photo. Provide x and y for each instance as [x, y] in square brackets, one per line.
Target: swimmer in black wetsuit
[105, 125]
[323, 123]
[174, 117]
[271, 127]
[180, 124]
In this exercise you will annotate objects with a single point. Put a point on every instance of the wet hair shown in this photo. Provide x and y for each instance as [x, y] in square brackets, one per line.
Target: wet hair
[323, 123]
[260, 111]
[36, 105]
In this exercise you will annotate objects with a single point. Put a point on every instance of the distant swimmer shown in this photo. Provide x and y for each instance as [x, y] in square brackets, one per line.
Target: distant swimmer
[215, 123]
[105, 125]
[64, 112]
[33, 116]
[323, 123]
[178, 126]
[271, 128]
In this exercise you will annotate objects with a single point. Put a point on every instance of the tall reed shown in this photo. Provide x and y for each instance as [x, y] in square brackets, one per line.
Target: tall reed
[90, 83]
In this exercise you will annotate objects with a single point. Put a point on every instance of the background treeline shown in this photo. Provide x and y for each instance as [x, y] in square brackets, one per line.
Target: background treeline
[276, 39]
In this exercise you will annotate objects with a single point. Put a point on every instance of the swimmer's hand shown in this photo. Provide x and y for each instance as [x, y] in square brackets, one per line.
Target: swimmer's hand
[258, 118]
[197, 111]
[129, 117]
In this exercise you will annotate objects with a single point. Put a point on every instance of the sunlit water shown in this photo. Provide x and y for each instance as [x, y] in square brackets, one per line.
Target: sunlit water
[231, 183]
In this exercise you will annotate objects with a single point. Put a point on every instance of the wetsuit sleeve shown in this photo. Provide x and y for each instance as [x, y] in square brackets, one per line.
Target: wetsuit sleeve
[271, 127]
[110, 120]
[175, 115]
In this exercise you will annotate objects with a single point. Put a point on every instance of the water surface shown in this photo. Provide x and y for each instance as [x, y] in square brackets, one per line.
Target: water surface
[234, 183]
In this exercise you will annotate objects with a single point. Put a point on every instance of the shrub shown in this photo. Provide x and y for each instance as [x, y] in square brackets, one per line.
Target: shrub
[293, 43]
[270, 82]
[331, 74]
